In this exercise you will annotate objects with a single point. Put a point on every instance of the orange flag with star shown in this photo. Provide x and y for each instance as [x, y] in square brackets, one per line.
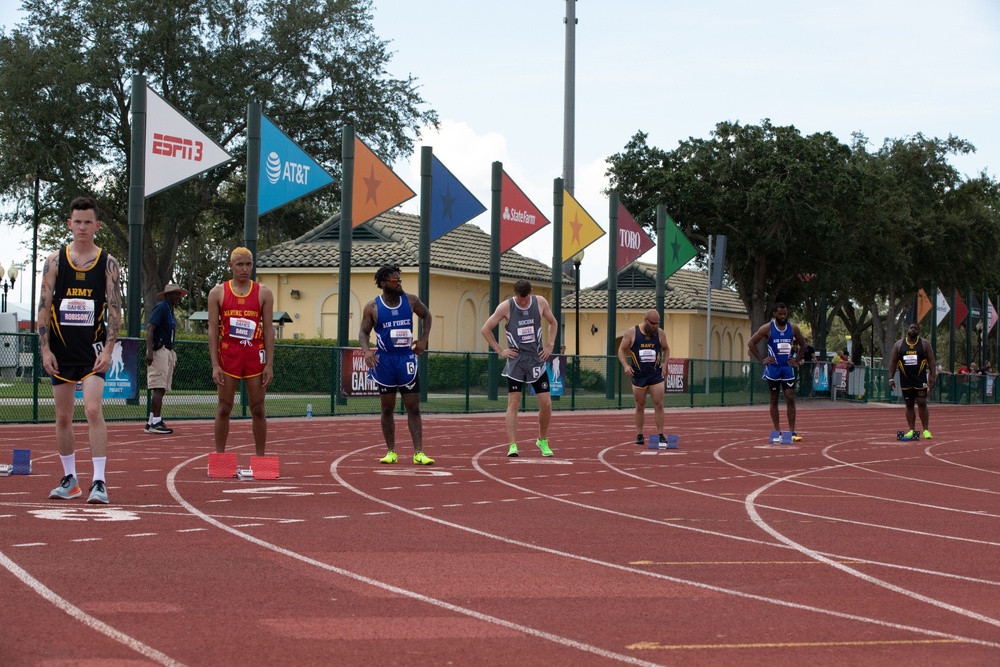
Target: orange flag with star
[923, 304]
[579, 230]
[377, 188]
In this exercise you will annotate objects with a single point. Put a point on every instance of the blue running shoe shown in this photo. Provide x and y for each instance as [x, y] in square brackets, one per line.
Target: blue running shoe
[98, 493]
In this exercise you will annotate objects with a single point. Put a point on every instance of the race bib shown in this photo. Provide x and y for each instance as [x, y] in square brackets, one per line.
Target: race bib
[242, 328]
[647, 356]
[526, 334]
[401, 337]
[910, 359]
[76, 313]
[784, 347]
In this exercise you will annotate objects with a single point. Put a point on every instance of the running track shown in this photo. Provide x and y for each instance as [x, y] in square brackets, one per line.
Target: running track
[847, 548]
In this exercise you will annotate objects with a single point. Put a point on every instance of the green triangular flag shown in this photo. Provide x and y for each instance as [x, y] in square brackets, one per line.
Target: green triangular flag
[676, 248]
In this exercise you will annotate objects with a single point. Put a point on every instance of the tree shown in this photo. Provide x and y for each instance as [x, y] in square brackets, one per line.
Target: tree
[777, 195]
[65, 106]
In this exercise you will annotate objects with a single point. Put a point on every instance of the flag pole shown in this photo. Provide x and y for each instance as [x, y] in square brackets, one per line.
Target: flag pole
[136, 203]
[251, 208]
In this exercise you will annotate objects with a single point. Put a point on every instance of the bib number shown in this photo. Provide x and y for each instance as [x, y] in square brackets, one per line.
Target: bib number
[242, 328]
[76, 313]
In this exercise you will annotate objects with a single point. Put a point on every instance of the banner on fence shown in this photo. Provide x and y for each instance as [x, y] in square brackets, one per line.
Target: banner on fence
[556, 365]
[354, 380]
[676, 379]
[122, 379]
[821, 376]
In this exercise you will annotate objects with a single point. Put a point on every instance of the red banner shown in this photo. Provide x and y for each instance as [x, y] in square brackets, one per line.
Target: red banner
[633, 243]
[676, 379]
[519, 218]
[354, 380]
[960, 311]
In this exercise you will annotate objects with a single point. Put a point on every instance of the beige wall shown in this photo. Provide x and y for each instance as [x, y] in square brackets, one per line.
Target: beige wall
[685, 333]
[459, 303]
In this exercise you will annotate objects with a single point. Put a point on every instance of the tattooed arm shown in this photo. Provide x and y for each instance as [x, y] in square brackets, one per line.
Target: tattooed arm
[49, 271]
[113, 297]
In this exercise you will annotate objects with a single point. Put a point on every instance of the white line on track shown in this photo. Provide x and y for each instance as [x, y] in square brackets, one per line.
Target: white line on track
[85, 618]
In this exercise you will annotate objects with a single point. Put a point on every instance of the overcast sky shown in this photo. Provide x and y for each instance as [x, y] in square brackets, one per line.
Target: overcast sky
[494, 72]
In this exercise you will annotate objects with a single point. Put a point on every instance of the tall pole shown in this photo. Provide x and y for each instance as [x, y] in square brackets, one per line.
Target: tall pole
[557, 262]
[424, 256]
[708, 318]
[612, 367]
[34, 251]
[346, 230]
[569, 104]
[136, 203]
[251, 208]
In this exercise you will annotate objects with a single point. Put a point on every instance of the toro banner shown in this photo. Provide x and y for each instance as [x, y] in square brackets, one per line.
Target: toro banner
[633, 243]
[354, 380]
[676, 379]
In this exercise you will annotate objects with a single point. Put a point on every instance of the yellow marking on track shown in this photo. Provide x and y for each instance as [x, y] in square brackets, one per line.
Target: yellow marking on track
[741, 562]
[650, 646]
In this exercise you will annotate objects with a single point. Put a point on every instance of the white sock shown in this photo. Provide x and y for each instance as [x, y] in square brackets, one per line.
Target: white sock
[153, 419]
[69, 464]
[99, 463]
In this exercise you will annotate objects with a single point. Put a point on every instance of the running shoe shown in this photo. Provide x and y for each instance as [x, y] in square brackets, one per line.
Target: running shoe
[909, 435]
[927, 434]
[512, 450]
[159, 428]
[389, 458]
[639, 440]
[544, 446]
[796, 437]
[68, 488]
[422, 459]
[98, 493]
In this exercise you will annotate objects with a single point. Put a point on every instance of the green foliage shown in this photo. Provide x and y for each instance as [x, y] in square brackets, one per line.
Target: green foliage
[65, 87]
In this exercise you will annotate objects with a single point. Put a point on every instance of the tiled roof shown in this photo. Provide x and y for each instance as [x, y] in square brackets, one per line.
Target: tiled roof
[685, 290]
[392, 238]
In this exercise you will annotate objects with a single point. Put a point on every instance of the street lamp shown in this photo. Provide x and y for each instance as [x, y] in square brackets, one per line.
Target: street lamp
[12, 276]
[577, 260]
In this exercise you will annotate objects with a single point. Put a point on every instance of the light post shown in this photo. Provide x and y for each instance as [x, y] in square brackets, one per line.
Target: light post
[577, 260]
[6, 285]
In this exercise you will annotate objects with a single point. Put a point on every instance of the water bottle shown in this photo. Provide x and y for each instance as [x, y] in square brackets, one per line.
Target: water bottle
[309, 411]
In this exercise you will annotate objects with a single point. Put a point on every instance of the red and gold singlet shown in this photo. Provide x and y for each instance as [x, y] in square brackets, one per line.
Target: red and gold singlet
[241, 340]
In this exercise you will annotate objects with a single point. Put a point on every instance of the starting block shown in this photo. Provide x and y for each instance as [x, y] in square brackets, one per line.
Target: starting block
[781, 438]
[5, 470]
[22, 462]
[671, 442]
[901, 435]
[221, 465]
[264, 467]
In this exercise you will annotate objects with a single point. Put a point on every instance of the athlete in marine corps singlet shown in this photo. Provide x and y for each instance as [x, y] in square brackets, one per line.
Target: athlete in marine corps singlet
[241, 345]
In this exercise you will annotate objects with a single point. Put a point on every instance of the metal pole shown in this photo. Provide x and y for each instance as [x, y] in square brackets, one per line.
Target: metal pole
[557, 262]
[251, 207]
[136, 203]
[346, 230]
[34, 253]
[708, 318]
[569, 108]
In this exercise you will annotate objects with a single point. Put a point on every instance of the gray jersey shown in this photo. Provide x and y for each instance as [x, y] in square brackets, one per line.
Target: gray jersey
[524, 333]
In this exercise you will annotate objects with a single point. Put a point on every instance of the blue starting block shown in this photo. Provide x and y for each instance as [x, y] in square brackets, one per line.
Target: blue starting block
[672, 442]
[22, 462]
[781, 438]
[901, 435]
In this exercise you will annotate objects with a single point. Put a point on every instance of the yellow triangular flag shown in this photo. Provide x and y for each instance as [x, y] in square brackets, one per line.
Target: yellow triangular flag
[579, 230]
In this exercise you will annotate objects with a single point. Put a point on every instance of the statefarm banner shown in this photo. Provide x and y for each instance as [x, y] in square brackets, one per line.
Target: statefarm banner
[519, 217]
[176, 150]
[633, 242]
[287, 172]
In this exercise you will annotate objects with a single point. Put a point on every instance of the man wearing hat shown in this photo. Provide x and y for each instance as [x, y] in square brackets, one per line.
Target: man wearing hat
[160, 356]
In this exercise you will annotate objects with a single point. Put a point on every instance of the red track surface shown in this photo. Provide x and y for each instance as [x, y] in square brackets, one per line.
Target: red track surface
[847, 548]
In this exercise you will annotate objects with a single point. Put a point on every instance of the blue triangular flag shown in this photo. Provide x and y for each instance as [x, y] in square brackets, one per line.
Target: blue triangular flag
[451, 202]
[286, 172]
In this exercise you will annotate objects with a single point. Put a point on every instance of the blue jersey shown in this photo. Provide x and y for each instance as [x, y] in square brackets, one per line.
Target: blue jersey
[394, 328]
[779, 346]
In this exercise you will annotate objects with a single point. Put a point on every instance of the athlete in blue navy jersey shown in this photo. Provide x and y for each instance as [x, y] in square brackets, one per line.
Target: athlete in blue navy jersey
[779, 364]
[393, 366]
[643, 354]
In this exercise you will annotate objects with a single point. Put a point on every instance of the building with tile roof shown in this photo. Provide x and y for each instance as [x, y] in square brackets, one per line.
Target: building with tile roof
[304, 276]
[685, 318]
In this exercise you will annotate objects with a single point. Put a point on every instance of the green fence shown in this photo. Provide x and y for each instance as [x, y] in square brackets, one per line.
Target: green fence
[453, 382]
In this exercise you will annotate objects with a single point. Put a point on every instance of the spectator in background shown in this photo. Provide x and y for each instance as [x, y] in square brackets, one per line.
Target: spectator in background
[161, 360]
[806, 369]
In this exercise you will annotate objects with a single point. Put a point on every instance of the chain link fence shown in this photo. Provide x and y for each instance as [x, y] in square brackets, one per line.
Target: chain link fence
[332, 381]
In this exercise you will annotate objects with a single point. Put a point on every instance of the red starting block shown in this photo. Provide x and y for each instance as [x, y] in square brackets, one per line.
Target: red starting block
[221, 465]
[264, 467]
